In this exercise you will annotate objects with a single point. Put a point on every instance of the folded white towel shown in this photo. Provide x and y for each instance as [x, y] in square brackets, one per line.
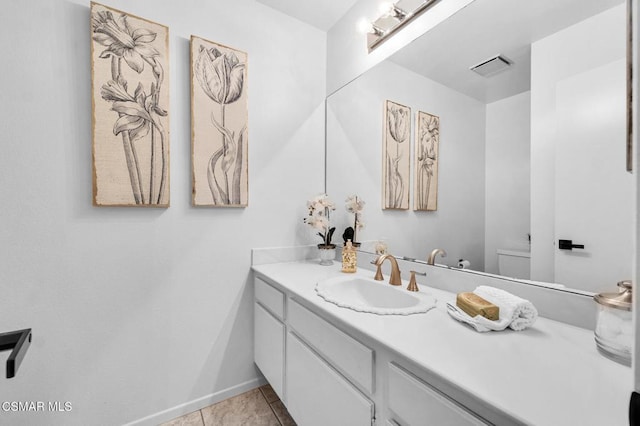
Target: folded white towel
[462, 316]
[515, 312]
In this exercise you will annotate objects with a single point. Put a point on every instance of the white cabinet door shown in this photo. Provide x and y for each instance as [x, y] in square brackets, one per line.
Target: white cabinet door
[414, 402]
[317, 395]
[269, 348]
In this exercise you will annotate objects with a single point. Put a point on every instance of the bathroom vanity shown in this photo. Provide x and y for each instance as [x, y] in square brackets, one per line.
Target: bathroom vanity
[333, 365]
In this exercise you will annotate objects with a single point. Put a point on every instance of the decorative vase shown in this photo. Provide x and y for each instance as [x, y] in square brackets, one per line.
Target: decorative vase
[327, 253]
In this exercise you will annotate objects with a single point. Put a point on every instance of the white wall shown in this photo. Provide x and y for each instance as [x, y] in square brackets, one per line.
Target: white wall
[507, 176]
[584, 46]
[354, 135]
[136, 311]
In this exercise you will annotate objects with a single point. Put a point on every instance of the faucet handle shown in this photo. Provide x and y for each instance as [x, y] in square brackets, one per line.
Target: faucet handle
[413, 285]
[378, 276]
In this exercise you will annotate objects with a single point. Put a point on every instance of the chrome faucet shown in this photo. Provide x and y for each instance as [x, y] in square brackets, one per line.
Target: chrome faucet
[395, 278]
[432, 257]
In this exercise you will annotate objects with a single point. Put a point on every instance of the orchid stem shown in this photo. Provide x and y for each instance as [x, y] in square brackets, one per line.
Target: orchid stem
[355, 224]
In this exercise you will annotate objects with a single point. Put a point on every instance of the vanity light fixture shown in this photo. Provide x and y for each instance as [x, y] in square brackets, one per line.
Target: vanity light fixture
[395, 16]
[376, 31]
[397, 13]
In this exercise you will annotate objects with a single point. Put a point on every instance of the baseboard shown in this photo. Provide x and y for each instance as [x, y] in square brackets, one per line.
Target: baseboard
[196, 404]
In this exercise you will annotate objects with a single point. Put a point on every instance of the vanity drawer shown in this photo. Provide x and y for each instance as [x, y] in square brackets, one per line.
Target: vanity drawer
[269, 297]
[414, 402]
[350, 357]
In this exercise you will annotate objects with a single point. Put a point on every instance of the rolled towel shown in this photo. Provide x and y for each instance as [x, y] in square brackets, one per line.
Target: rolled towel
[462, 316]
[518, 312]
[515, 312]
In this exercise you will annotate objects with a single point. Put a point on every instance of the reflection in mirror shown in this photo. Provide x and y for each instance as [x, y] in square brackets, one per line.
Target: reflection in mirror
[528, 155]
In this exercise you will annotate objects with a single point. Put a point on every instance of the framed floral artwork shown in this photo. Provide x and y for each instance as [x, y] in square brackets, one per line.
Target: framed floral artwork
[426, 162]
[396, 152]
[219, 119]
[130, 103]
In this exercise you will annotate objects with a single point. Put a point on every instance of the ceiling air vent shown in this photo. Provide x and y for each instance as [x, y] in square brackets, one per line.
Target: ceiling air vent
[491, 66]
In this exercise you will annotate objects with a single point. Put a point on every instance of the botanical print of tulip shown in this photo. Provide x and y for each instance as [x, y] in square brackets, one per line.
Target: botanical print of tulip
[427, 146]
[396, 156]
[130, 100]
[219, 121]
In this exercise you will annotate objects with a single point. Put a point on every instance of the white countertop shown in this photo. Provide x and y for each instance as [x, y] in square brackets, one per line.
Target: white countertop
[549, 374]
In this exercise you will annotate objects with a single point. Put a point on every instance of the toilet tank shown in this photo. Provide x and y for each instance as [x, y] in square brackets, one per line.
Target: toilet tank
[514, 263]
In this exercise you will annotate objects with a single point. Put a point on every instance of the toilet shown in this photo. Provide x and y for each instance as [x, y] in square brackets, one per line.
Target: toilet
[514, 263]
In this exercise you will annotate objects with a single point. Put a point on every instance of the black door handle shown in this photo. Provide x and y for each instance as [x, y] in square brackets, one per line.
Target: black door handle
[568, 245]
[18, 341]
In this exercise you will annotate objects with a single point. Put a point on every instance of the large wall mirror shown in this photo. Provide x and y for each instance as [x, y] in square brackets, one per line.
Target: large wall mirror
[528, 156]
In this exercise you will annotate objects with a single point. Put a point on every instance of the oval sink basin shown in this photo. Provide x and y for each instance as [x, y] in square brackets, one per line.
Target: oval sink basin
[376, 297]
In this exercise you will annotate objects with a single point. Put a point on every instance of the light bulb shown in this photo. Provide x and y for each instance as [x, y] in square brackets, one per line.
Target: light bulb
[385, 8]
[364, 26]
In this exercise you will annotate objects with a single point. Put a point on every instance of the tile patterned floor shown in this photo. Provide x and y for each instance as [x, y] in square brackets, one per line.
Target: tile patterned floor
[258, 407]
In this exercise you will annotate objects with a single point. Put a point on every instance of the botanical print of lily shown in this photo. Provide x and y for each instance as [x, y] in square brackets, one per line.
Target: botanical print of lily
[426, 171]
[397, 125]
[219, 124]
[130, 109]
